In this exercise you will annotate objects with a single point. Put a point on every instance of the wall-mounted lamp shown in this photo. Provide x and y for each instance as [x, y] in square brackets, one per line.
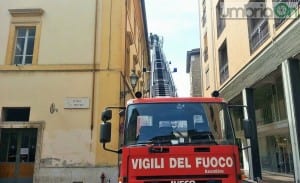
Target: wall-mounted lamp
[133, 81]
[53, 108]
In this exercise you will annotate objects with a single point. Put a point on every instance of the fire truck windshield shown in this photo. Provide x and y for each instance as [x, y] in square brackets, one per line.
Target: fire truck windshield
[178, 124]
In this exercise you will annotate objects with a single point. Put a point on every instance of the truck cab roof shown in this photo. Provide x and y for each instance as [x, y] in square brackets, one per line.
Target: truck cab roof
[176, 99]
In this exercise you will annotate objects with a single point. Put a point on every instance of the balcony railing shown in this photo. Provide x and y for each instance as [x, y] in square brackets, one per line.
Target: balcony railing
[259, 35]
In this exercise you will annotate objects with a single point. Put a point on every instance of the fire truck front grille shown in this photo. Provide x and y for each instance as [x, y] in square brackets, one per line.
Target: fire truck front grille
[215, 178]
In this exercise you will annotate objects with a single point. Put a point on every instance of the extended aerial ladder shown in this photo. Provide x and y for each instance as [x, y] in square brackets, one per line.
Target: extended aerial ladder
[162, 83]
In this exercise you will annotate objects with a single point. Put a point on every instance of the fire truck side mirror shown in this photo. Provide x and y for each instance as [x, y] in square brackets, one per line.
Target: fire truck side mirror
[105, 132]
[247, 128]
[106, 115]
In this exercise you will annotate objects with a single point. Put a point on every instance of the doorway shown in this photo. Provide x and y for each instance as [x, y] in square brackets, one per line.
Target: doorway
[17, 154]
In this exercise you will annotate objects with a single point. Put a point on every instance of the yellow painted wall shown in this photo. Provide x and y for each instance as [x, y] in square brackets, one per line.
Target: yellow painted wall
[210, 64]
[108, 95]
[67, 132]
[73, 37]
[113, 74]
[67, 32]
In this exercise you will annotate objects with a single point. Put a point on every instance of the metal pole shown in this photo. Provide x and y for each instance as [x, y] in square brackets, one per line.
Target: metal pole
[249, 113]
[290, 76]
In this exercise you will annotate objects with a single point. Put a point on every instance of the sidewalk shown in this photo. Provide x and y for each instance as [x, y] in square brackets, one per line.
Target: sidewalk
[269, 177]
[276, 178]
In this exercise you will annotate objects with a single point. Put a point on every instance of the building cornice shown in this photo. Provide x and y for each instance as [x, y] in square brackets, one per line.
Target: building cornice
[52, 67]
[26, 12]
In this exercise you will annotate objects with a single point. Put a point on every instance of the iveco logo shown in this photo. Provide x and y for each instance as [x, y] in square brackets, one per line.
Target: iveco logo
[183, 181]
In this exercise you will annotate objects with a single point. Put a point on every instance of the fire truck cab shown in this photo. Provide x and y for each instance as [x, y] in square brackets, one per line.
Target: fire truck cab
[176, 140]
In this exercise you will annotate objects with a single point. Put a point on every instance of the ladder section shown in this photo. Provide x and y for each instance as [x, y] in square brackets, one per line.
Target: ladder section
[162, 80]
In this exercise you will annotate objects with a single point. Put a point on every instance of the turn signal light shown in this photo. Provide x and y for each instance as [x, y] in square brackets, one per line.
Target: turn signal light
[122, 180]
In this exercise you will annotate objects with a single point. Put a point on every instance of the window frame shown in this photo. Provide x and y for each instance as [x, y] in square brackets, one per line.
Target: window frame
[223, 63]
[205, 51]
[12, 42]
[26, 18]
[207, 80]
[26, 45]
[221, 23]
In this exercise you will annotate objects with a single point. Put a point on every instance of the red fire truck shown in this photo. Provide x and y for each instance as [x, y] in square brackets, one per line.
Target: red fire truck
[176, 140]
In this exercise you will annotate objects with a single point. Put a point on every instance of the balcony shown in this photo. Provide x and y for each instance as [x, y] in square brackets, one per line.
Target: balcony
[258, 35]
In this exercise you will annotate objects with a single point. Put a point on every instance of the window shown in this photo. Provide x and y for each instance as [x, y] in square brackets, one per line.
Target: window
[24, 36]
[203, 13]
[269, 100]
[24, 44]
[15, 114]
[220, 21]
[180, 123]
[205, 51]
[207, 78]
[258, 29]
[223, 63]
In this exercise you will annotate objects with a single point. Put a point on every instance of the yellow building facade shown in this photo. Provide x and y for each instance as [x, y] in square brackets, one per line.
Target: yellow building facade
[61, 63]
[250, 55]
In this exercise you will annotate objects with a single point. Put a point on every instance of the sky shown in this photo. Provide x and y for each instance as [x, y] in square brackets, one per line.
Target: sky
[177, 21]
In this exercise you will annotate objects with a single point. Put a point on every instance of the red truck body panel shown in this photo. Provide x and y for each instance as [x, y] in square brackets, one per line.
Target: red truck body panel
[175, 163]
[190, 163]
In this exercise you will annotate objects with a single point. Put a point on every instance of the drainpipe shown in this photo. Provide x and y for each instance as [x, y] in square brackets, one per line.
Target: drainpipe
[213, 45]
[94, 67]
